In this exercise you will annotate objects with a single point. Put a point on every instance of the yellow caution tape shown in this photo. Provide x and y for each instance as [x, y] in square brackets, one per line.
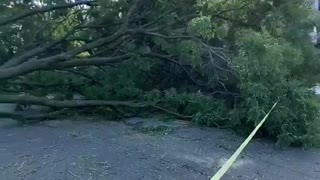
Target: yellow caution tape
[231, 160]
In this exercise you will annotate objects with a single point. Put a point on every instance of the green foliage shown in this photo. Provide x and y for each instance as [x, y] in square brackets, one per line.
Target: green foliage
[205, 110]
[154, 131]
[265, 65]
[203, 27]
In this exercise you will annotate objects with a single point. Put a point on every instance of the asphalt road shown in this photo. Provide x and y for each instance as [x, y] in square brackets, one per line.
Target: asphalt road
[139, 149]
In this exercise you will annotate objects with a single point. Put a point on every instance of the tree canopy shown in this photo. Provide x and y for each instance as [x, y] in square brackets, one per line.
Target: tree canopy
[219, 63]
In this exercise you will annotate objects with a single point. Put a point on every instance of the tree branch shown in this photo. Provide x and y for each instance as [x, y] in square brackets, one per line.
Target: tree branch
[130, 12]
[34, 117]
[45, 63]
[31, 53]
[167, 58]
[5, 21]
[29, 99]
[52, 61]
[87, 62]
[84, 75]
[134, 31]
[159, 18]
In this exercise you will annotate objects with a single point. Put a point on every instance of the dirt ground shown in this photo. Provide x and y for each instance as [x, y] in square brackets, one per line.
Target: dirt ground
[138, 149]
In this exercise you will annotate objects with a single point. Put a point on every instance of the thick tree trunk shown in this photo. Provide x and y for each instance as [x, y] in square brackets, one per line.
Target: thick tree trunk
[29, 99]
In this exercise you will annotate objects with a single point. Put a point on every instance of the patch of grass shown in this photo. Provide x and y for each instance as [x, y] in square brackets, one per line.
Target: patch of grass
[159, 130]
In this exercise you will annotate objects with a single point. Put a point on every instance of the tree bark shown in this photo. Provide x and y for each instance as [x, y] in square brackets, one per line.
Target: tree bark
[29, 99]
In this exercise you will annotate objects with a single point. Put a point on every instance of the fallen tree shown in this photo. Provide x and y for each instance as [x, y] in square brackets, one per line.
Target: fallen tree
[216, 63]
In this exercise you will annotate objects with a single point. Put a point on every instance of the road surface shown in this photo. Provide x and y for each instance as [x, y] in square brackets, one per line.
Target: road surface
[142, 149]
